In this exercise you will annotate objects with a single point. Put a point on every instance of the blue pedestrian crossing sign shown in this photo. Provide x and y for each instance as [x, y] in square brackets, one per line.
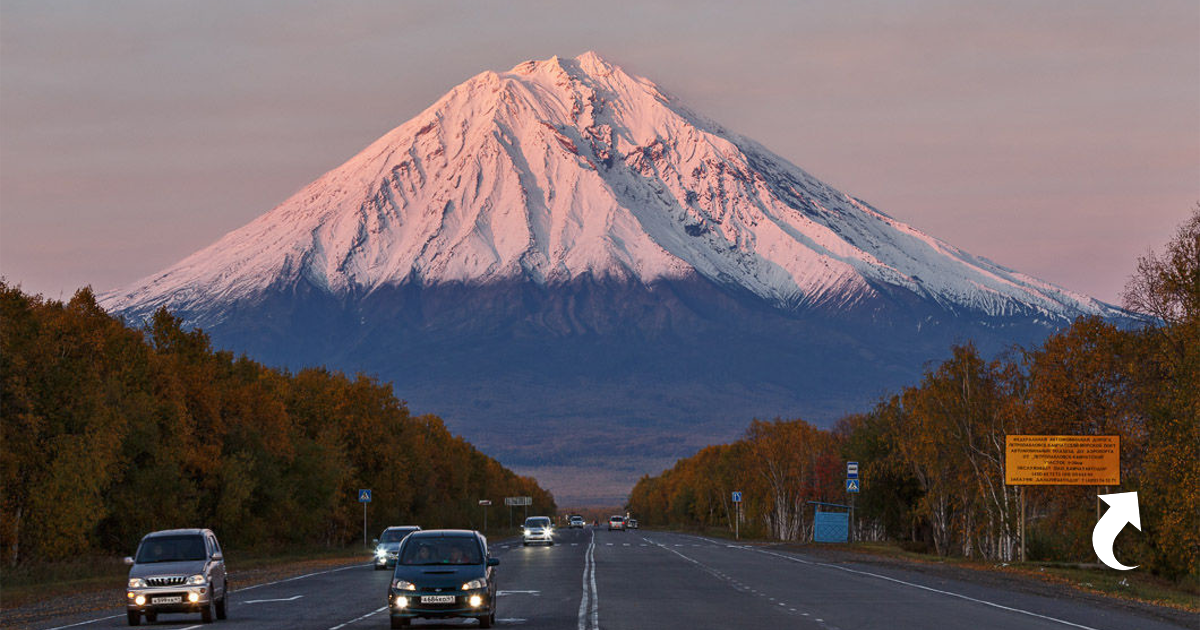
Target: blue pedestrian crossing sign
[364, 496]
[851, 485]
[737, 497]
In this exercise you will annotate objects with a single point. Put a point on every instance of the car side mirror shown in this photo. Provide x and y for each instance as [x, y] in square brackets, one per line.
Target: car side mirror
[128, 560]
[217, 557]
[374, 541]
[493, 562]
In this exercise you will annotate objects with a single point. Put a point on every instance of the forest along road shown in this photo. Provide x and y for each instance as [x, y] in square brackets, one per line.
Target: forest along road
[643, 580]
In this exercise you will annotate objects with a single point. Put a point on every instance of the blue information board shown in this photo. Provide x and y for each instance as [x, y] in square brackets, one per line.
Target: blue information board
[831, 527]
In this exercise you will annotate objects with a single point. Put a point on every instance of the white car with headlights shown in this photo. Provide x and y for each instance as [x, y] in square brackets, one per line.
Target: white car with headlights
[176, 571]
[388, 545]
[537, 529]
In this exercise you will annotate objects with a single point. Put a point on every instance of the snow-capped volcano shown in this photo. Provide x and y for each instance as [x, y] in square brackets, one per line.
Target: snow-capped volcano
[575, 270]
[570, 168]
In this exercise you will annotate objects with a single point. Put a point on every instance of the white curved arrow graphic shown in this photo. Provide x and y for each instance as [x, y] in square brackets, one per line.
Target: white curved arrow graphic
[1123, 508]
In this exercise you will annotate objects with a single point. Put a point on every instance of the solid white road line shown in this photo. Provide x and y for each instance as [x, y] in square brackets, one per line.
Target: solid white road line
[589, 603]
[84, 623]
[357, 619]
[928, 588]
[263, 601]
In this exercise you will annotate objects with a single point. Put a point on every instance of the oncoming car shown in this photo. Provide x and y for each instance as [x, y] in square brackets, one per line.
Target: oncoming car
[176, 571]
[388, 543]
[443, 573]
[632, 523]
[576, 521]
[537, 529]
[616, 522]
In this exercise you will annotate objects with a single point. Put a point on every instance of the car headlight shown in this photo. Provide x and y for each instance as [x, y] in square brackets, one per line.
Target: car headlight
[137, 583]
[381, 553]
[404, 585]
[197, 580]
[474, 584]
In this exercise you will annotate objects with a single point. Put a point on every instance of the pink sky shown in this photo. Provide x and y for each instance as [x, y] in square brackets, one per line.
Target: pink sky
[1061, 139]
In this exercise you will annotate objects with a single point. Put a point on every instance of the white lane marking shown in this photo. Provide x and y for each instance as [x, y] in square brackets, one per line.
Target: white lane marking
[263, 601]
[595, 593]
[930, 589]
[585, 599]
[357, 619]
[504, 593]
[301, 577]
[84, 623]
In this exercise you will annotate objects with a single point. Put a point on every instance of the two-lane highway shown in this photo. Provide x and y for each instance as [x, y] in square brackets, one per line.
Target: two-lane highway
[642, 580]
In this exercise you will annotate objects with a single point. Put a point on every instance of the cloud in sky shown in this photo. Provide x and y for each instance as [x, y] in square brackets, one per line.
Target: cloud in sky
[1061, 139]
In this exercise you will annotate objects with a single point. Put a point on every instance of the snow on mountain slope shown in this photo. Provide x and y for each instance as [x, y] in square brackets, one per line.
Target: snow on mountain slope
[566, 168]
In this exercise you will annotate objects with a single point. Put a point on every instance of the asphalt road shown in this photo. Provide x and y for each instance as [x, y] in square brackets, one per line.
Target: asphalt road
[647, 580]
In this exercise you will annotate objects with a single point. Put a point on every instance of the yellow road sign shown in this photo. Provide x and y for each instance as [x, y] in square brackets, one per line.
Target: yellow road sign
[1062, 460]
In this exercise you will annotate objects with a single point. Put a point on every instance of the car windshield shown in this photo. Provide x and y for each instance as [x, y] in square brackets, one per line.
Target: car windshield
[617, 518]
[171, 549]
[537, 522]
[441, 551]
[394, 535]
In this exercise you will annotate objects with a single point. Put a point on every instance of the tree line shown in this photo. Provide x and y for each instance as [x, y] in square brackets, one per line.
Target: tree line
[932, 455]
[108, 432]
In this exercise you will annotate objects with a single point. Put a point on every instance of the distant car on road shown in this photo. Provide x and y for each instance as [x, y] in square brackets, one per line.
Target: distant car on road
[176, 571]
[537, 529]
[576, 521]
[632, 523]
[616, 522]
[443, 573]
[388, 543]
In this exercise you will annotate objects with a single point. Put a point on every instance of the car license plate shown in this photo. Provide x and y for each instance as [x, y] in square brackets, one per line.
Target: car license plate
[178, 599]
[437, 599]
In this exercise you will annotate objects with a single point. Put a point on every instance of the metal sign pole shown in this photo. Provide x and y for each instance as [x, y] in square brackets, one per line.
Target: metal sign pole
[1022, 523]
[364, 524]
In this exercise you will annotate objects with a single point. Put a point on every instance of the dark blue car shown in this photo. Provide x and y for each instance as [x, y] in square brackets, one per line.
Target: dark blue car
[443, 573]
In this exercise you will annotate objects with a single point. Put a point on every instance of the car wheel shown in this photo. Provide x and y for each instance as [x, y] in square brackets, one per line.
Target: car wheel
[486, 622]
[400, 622]
[206, 613]
[380, 567]
[135, 617]
[151, 616]
[221, 602]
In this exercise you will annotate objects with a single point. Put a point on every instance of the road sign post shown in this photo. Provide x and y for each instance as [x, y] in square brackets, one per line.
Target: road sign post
[737, 521]
[485, 503]
[852, 485]
[1059, 460]
[364, 497]
[517, 501]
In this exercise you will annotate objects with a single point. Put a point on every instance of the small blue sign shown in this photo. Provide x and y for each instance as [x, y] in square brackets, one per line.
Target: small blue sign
[851, 485]
[737, 497]
[364, 496]
[852, 470]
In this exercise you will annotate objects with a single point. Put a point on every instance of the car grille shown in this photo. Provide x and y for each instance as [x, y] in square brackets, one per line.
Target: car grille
[174, 580]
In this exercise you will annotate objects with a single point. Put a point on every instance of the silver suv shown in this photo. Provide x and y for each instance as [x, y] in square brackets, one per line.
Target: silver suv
[177, 571]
